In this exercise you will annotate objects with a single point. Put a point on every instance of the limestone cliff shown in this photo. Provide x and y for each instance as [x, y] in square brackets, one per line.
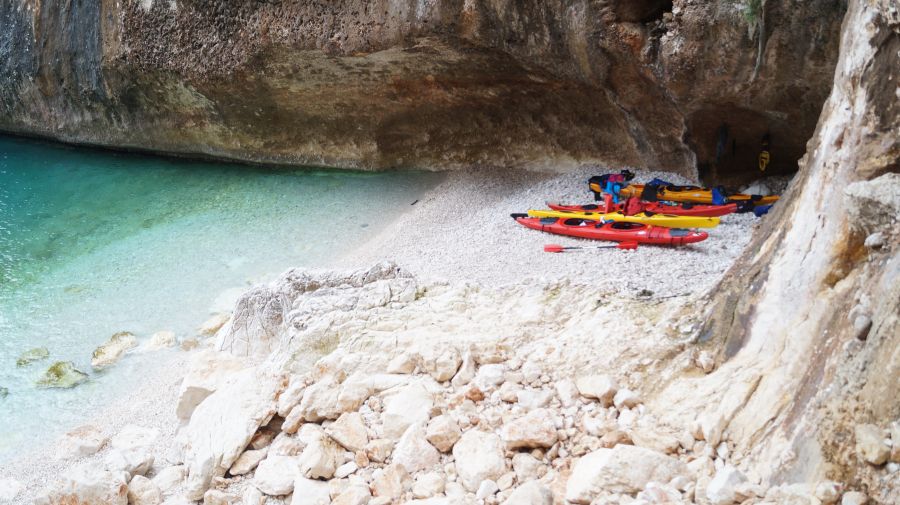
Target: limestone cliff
[435, 84]
[806, 324]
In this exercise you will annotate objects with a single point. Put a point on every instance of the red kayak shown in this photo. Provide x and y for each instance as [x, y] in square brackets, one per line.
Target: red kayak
[615, 231]
[637, 206]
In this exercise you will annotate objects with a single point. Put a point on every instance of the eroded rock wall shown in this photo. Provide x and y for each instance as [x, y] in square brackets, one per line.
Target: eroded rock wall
[435, 84]
[806, 324]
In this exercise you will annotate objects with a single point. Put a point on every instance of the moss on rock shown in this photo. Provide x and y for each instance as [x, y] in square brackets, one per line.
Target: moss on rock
[62, 374]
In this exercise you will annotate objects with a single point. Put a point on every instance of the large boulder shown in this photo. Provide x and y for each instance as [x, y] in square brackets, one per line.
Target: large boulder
[530, 493]
[623, 469]
[87, 484]
[310, 492]
[443, 432]
[349, 431]
[62, 374]
[110, 351]
[206, 372]
[479, 456]
[870, 444]
[275, 475]
[602, 388]
[142, 491]
[223, 424]
[411, 404]
[82, 441]
[320, 458]
[533, 430]
[413, 452]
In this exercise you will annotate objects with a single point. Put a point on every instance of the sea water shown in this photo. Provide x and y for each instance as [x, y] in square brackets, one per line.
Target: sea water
[95, 242]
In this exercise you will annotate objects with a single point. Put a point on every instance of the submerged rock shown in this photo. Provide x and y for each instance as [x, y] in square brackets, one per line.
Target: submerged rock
[32, 355]
[4, 392]
[113, 349]
[62, 374]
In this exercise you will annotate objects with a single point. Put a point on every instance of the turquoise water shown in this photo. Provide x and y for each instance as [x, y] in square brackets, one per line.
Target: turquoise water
[94, 242]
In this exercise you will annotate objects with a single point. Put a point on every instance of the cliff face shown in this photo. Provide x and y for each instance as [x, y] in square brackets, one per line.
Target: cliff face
[806, 324]
[434, 84]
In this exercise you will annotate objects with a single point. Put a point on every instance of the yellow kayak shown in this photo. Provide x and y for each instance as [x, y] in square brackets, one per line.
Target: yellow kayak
[667, 220]
[688, 194]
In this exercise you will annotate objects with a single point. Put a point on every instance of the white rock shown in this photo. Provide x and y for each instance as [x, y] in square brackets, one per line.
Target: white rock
[531, 371]
[489, 376]
[404, 363]
[486, 489]
[600, 387]
[534, 399]
[206, 372]
[854, 498]
[9, 489]
[509, 392]
[349, 431]
[894, 428]
[623, 469]
[479, 456]
[357, 388]
[160, 340]
[379, 450]
[626, 399]
[527, 467]
[320, 402]
[466, 371]
[213, 324]
[291, 396]
[217, 497]
[110, 351]
[870, 444]
[413, 452]
[253, 496]
[828, 492]
[711, 426]
[169, 479]
[88, 484]
[310, 492]
[411, 404]
[247, 461]
[275, 475]
[443, 432]
[530, 493]
[428, 485]
[874, 240]
[534, 430]
[441, 362]
[134, 437]
[567, 392]
[346, 469]
[506, 481]
[659, 493]
[223, 424]
[82, 441]
[136, 461]
[390, 481]
[722, 488]
[320, 458]
[355, 494]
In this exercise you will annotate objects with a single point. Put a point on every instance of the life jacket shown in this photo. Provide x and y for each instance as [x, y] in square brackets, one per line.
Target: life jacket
[632, 206]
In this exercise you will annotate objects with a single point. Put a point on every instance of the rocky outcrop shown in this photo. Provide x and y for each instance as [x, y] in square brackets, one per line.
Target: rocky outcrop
[805, 327]
[438, 84]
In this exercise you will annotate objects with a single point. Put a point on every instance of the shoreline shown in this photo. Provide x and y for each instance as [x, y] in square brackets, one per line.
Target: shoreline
[441, 220]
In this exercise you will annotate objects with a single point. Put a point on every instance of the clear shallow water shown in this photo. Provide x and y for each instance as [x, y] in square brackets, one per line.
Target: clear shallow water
[93, 242]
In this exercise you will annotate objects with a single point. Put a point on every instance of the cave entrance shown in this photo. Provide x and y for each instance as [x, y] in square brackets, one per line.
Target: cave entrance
[642, 11]
[728, 140]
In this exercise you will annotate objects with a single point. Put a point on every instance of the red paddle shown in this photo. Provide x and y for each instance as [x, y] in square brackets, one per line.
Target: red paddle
[554, 248]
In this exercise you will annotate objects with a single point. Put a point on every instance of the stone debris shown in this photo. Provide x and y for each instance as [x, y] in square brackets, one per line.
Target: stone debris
[870, 444]
[113, 349]
[602, 388]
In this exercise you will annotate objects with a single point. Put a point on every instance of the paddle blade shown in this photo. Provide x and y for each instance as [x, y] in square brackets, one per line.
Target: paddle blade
[627, 245]
[554, 248]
